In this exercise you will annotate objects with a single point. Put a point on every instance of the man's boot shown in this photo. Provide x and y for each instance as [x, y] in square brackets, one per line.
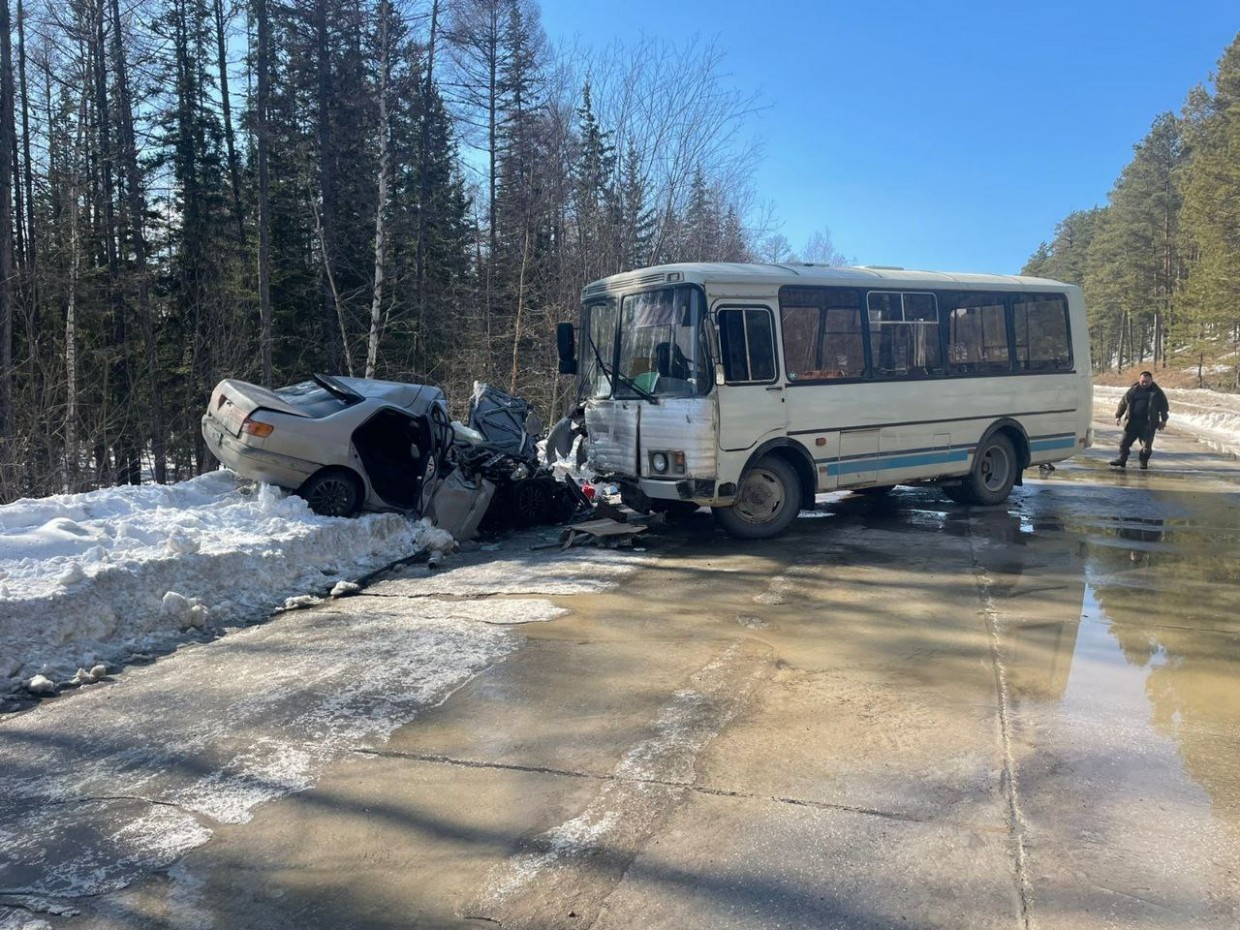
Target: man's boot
[1121, 462]
[1144, 460]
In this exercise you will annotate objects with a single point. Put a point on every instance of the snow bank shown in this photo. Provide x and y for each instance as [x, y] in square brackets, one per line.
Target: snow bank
[98, 577]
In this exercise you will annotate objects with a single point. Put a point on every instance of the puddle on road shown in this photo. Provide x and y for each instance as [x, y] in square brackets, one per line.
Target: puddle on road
[1152, 661]
[1130, 632]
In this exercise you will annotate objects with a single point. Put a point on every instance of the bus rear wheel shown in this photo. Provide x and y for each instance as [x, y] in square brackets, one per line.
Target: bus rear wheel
[994, 472]
[767, 501]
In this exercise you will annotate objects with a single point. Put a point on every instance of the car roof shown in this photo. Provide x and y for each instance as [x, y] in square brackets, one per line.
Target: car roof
[416, 397]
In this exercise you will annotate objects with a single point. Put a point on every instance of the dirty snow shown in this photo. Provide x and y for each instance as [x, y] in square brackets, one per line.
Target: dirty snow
[95, 578]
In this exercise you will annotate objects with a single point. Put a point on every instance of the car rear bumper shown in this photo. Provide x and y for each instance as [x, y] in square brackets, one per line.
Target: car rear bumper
[284, 471]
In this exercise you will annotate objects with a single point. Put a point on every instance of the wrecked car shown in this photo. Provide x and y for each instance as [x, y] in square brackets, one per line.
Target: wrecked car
[349, 444]
[499, 445]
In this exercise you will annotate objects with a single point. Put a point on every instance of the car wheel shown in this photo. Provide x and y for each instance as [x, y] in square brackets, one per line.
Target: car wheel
[332, 493]
[531, 503]
[767, 501]
[994, 472]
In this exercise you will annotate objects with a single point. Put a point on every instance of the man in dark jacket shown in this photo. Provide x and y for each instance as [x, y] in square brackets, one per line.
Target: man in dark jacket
[1141, 411]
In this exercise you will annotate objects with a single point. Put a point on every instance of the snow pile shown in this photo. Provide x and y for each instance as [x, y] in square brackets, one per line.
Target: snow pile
[1209, 415]
[88, 579]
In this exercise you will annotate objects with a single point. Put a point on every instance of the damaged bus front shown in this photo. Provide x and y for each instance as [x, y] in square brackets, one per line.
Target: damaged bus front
[647, 374]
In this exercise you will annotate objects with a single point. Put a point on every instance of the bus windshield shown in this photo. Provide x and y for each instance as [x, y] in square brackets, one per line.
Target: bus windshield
[662, 349]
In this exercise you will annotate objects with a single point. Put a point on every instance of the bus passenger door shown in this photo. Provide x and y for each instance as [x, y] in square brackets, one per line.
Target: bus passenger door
[751, 399]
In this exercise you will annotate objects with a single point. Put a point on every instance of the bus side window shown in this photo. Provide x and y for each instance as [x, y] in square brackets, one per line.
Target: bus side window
[747, 343]
[904, 334]
[976, 333]
[1042, 342]
[843, 343]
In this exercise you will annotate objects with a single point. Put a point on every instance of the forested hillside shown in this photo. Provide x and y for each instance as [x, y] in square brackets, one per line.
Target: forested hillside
[262, 189]
[1160, 263]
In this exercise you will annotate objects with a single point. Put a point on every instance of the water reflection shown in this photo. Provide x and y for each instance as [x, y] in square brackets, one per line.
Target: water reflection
[1153, 643]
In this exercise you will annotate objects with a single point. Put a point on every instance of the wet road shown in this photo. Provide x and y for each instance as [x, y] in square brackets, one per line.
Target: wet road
[903, 714]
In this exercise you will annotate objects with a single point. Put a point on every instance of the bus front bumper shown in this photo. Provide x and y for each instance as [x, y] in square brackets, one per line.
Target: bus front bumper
[699, 490]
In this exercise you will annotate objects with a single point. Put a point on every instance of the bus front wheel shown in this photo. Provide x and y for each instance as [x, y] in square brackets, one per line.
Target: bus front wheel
[994, 472]
[767, 501]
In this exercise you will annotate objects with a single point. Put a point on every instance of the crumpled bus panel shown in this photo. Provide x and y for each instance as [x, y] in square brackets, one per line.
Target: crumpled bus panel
[673, 425]
[685, 425]
[612, 430]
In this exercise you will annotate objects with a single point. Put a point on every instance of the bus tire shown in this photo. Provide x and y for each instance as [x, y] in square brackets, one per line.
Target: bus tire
[994, 472]
[768, 499]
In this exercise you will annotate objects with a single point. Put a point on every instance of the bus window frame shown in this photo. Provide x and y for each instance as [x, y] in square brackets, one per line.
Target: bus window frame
[859, 293]
[872, 372]
[776, 345]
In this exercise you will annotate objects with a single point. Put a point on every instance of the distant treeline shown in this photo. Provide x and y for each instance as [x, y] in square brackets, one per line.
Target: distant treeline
[1160, 263]
[263, 189]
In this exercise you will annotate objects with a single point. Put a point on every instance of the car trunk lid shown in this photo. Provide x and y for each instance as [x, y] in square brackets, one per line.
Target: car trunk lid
[233, 401]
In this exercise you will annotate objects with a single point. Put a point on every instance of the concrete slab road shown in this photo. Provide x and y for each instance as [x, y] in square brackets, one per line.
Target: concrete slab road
[905, 713]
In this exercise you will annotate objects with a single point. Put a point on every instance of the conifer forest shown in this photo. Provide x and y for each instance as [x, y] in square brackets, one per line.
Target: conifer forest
[418, 190]
[1160, 261]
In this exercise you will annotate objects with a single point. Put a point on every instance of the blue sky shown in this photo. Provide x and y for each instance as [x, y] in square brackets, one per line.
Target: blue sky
[941, 135]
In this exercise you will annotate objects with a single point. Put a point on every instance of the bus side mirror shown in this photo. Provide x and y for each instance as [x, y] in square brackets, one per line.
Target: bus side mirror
[566, 345]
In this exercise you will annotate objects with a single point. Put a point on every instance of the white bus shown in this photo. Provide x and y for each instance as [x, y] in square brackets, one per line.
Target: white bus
[750, 388]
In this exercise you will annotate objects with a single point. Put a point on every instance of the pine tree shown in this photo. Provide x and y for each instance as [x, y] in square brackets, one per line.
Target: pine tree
[1133, 264]
[1209, 297]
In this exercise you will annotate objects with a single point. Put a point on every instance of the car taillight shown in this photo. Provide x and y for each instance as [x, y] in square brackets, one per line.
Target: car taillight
[254, 428]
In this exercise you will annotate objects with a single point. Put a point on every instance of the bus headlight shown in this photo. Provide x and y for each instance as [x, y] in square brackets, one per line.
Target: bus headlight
[667, 463]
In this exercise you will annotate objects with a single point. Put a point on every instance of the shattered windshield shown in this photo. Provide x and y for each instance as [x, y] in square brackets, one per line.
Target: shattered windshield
[662, 344]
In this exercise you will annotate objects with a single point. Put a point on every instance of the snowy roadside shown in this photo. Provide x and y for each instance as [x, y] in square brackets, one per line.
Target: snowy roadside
[120, 780]
[1212, 417]
[100, 577]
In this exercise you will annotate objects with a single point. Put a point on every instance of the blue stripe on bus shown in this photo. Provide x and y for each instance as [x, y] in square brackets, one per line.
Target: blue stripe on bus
[917, 458]
[853, 466]
[1058, 442]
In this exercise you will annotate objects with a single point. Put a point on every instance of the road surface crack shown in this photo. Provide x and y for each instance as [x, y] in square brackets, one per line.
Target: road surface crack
[1011, 783]
[668, 783]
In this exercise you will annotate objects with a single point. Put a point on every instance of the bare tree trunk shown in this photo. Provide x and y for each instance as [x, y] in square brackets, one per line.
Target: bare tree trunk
[424, 179]
[126, 454]
[234, 164]
[264, 195]
[331, 281]
[519, 321]
[72, 450]
[376, 304]
[6, 245]
[136, 211]
[31, 237]
[325, 222]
